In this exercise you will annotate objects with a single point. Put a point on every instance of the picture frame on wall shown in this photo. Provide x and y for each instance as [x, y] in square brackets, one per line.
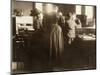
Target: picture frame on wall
[52, 37]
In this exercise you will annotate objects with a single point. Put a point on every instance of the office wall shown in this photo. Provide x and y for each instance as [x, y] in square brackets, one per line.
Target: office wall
[25, 6]
[66, 8]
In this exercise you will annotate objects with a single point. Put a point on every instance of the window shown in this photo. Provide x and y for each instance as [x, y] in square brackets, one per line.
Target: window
[89, 11]
[39, 6]
[78, 9]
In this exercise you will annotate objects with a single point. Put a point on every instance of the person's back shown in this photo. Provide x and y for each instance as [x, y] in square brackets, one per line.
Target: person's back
[55, 39]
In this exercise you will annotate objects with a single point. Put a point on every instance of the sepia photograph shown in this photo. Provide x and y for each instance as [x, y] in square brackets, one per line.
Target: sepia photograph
[52, 37]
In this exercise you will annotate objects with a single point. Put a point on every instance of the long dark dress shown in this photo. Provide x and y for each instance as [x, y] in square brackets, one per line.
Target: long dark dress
[54, 38]
[56, 45]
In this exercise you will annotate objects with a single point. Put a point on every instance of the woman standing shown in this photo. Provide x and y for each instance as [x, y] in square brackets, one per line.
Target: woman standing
[70, 27]
[55, 40]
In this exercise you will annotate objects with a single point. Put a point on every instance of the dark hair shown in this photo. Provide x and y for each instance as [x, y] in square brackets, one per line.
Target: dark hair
[51, 18]
[68, 16]
[35, 12]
